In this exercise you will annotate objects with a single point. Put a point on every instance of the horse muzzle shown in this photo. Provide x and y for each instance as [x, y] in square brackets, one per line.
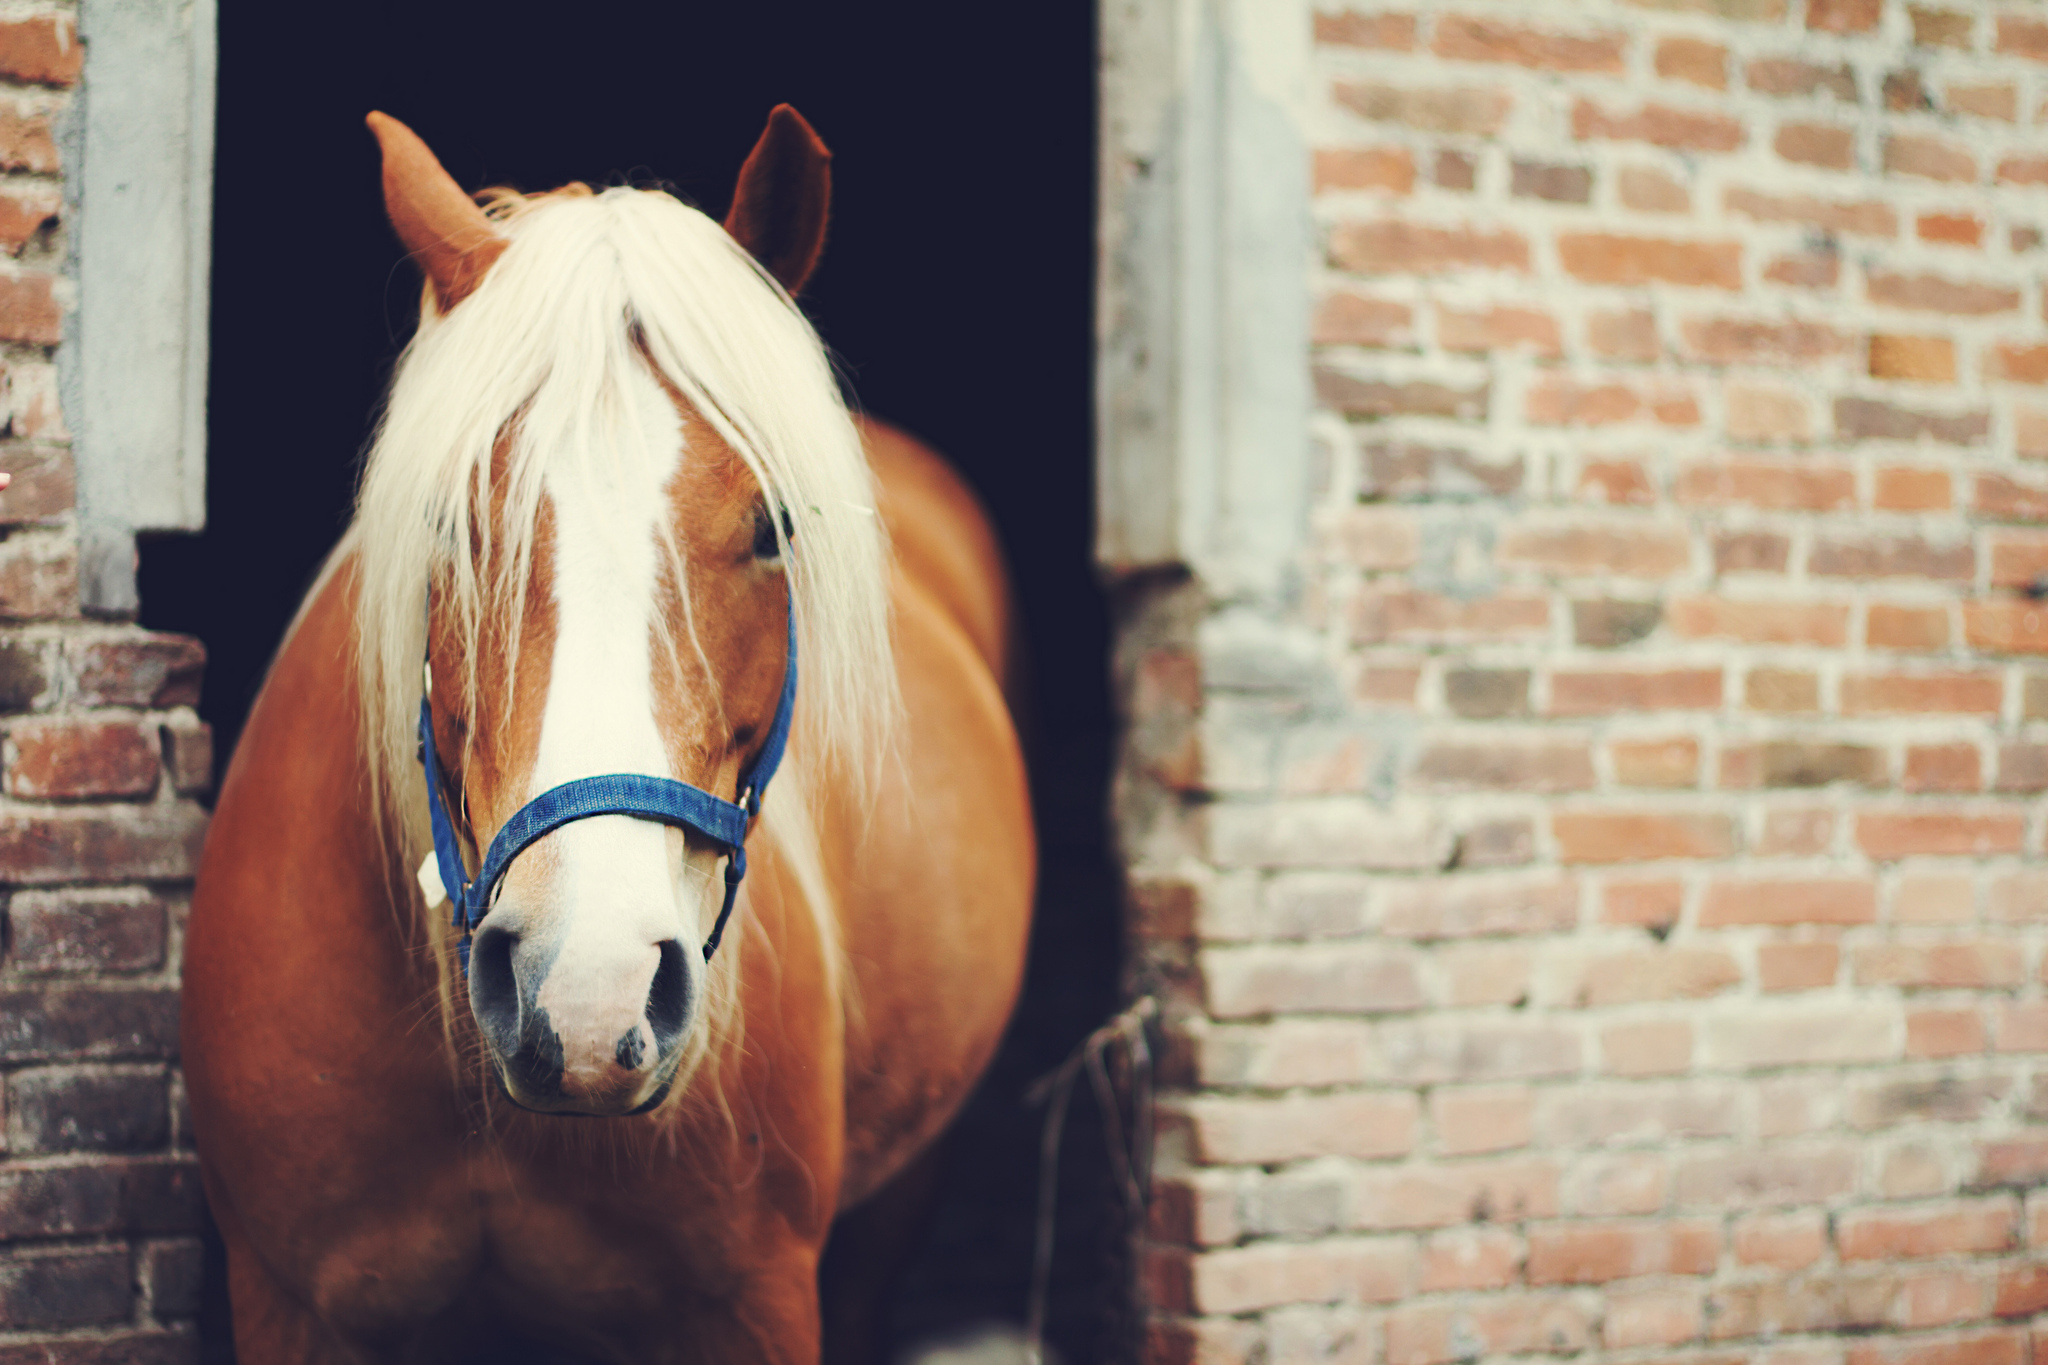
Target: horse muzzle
[580, 1033]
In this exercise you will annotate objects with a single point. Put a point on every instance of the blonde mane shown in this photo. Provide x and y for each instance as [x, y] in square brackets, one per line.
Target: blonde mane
[533, 366]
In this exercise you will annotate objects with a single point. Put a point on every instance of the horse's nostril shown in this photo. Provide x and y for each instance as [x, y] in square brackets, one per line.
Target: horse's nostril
[668, 998]
[493, 989]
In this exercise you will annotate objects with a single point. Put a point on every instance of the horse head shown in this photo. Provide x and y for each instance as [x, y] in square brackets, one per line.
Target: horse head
[615, 590]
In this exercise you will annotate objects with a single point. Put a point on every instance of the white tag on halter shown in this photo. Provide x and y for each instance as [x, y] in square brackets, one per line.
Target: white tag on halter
[430, 881]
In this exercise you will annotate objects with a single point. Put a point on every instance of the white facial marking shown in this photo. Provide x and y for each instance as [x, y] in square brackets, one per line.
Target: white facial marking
[613, 890]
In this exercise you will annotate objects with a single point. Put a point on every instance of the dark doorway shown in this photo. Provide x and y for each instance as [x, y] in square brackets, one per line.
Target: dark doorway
[955, 290]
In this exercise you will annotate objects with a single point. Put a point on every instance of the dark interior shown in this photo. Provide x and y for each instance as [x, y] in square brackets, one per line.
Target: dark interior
[955, 292]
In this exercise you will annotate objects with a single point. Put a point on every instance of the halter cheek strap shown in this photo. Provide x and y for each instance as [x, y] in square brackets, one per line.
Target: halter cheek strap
[644, 797]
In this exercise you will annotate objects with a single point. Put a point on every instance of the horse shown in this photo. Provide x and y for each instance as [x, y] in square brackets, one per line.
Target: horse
[477, 1067]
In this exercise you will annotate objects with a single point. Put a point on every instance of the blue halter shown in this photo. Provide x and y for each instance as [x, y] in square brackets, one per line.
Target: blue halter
[643, 797]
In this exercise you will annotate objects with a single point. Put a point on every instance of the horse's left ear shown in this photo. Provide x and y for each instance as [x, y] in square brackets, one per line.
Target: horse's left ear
[441, 227]
[783, 198]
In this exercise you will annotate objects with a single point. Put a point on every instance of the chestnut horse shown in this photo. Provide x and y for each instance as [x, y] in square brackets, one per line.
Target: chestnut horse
[614, 499]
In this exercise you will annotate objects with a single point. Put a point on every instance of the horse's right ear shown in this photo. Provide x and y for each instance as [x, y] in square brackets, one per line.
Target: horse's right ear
[441, 227]
[784, 196]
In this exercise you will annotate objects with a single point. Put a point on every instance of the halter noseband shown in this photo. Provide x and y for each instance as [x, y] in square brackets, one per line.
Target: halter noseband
[644, 797]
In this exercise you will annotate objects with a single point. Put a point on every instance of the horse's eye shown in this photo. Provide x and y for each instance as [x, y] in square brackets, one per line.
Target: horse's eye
[765, 546]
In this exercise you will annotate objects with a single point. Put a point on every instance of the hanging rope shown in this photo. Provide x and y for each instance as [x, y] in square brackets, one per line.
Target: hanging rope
[1130, 1160]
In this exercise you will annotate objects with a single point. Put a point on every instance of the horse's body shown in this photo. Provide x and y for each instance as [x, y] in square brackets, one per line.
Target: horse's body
[381, 1199]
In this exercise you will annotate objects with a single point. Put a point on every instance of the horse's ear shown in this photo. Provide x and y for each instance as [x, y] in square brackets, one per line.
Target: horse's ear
[783, 198]
[441, 227]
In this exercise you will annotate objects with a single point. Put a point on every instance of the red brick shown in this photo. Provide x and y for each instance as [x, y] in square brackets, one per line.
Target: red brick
[2018, 558]
[1532, 767]
[1865, 419]
[1938, 834]
[1781, 690]
[83, 930]
[1623, 836]
[1940, 966]
[2030, 431]
[1816, 144]
[1582, 547]
[1933, 898]
[1267, 1131]
[1469, 1122]
[1454, 170]
[1926, 360]
[1907, 693]
[66, 759]
[1365, 168]
[1650, 904]
[1783, 1241]
[1447, 110]
[2022, 767]
[2022, 1293]
[1940, 27]
[134, 668]
[1693, 60]
[1616, 483]
[1393, 247]
[2006, 627]
[1246, 1279]
[1751, 552]
[1800, 1175]
[1896, 489]
[1628, 335]
[1465, 907]
[1934, 294]
[2023, 170]
[1557, 402]
[1610, 258]
[1891, 556]
[1797, 966]
[1498, 329]
[1600, 692]
[2022, 1026]
[1661, 1047]
[1955, 229]
[1785, 485]
[1660, 1316]
[1943, 768]
[1658, 124]
[1656, 763]
[1796, 831]
[1320, 978]
[1974, 1348]
[2001, 498]
[26, 141]
[1800, 763]
[1430, 618]
[1843, 16]
[1805, 269]
[1866, 217]
[1759, 622]
[1996, 101]
[1837, 900]
[1354, 28]
[1647, 189]
[1378, 398]
[29, 311]
[1928, 158]
[1560, 184]
[1731, 341]
[1470, 1258]
[41, 50]
[2022, 37]
[1483, 40]
[2018, 364]
[1783, 76]
[130, 843]
[1765, 414]
[1503, 1191]
[1595, 1253]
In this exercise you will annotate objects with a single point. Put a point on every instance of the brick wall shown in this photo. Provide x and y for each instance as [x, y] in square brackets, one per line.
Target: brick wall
[1602, 915]
[99, 833]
